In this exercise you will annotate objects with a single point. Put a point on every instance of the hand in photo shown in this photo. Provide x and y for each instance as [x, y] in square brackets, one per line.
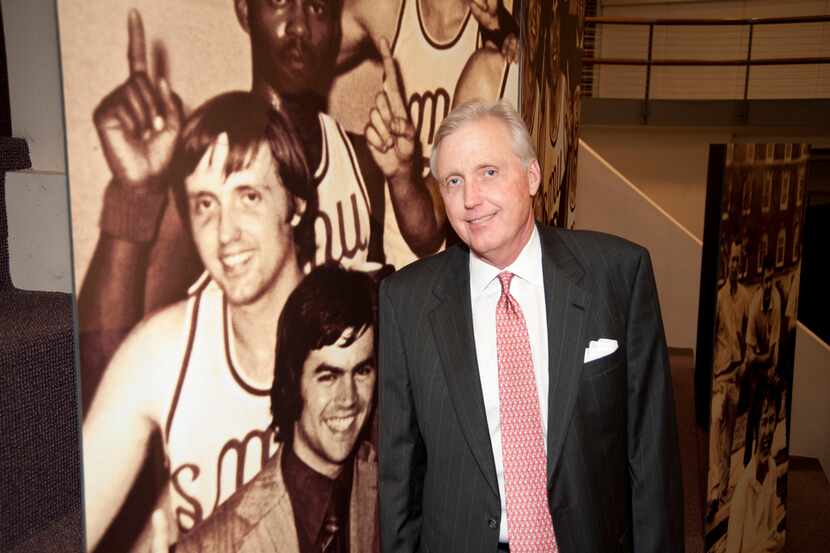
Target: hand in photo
[138, 122]
[486, 12]
[390, 133]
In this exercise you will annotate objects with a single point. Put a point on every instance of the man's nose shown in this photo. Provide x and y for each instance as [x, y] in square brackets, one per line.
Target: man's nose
[346, 391]
[228, 227]
[472, 196]
[297, 19]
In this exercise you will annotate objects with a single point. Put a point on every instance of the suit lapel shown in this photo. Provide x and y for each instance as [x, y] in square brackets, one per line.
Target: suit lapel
[453, 332]
[567, 306]
[363, 502]
[280, 524]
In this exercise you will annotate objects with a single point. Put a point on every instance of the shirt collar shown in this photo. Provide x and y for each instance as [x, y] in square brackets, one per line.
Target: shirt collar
[527, 266]
[312, 493]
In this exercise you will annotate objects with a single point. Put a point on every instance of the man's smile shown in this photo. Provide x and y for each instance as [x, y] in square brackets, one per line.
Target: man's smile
[340, 424]
[481, 219]
[297, 55]
[234, 262]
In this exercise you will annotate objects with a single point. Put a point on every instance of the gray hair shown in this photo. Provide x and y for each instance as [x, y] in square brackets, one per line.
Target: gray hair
[476, 110]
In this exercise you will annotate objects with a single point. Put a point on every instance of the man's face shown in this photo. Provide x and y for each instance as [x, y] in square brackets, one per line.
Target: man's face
[766, 431]
[295, 42]
[240, 222]
[766, 283]
[734, 262]
[487, 190]
[337, 387]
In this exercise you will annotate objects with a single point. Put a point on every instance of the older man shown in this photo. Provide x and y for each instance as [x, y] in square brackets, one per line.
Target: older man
[525, 393]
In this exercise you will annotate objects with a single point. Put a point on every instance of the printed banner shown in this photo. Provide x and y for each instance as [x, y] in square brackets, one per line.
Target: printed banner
[242, 172]
[550, 99]
[759, 193]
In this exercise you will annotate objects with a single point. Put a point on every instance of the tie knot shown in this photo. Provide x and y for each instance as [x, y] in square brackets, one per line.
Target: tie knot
[505, 278]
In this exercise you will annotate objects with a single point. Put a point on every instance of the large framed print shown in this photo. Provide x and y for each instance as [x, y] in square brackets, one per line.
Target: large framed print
[749, 303]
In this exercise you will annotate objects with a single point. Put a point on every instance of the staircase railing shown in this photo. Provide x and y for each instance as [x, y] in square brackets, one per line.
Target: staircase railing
[748, 62]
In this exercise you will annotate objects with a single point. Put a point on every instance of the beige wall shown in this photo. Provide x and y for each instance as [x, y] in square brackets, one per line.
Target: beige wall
[810, 427]
[36, 200]
[668, 166]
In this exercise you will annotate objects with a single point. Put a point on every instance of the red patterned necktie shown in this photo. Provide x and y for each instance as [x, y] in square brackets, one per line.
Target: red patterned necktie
[523, 447]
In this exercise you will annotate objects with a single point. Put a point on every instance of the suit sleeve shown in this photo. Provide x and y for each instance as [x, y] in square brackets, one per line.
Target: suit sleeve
[653, 453]
[402, 461]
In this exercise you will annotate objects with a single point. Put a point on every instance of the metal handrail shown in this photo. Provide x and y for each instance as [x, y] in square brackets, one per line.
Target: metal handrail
[682, 62]
[748, 62]
[701, 21]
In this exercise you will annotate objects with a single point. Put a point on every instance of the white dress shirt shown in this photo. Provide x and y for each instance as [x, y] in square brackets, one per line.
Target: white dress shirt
[527, 287]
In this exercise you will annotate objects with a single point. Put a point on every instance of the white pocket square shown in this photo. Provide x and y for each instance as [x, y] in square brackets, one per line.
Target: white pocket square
[599, 348]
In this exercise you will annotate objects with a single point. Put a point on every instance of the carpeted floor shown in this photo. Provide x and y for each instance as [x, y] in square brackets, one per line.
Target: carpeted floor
[808, 507]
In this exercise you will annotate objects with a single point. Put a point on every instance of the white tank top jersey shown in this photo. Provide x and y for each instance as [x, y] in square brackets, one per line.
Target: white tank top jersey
[429, 73]
[430, 69]
[217, 434]
[342, 227]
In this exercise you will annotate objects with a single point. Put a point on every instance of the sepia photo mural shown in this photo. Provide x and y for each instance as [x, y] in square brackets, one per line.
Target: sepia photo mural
[550, 89]
[242, 173]
[755, 213]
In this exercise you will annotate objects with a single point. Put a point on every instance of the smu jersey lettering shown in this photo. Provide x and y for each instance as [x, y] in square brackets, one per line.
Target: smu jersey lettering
[342, 226]
[217, 435]
[429, 69]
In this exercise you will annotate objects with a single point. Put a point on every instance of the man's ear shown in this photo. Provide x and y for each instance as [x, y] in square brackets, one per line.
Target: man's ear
[534, 176]
[241, 7]
[299, 209]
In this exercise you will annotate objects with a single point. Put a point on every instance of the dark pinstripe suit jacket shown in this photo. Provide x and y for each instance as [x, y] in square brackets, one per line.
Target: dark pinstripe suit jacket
[613, 463]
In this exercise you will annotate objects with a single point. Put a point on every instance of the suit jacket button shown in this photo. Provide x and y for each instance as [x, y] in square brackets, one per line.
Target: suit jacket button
[492, 523]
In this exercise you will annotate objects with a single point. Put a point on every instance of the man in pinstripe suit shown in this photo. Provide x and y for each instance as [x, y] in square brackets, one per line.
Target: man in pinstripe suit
[610, 458]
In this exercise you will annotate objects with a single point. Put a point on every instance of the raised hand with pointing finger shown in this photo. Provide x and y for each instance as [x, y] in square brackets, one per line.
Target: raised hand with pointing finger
[138, 123]
[391, 137]
[389, 132]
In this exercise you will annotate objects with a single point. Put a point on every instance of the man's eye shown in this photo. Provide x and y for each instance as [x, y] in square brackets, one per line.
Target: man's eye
[203, 205]
[491, 172]
[316, 8]
[364, 370]
[251, 197]
[453, 182]
[325, 377]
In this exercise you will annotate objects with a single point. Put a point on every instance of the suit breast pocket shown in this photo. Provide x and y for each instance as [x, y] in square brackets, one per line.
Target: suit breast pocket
[605, 381]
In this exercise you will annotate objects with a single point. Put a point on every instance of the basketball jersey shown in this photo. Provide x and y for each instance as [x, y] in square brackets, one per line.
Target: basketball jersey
[217, 434]
[429, 72]
[342, 226]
